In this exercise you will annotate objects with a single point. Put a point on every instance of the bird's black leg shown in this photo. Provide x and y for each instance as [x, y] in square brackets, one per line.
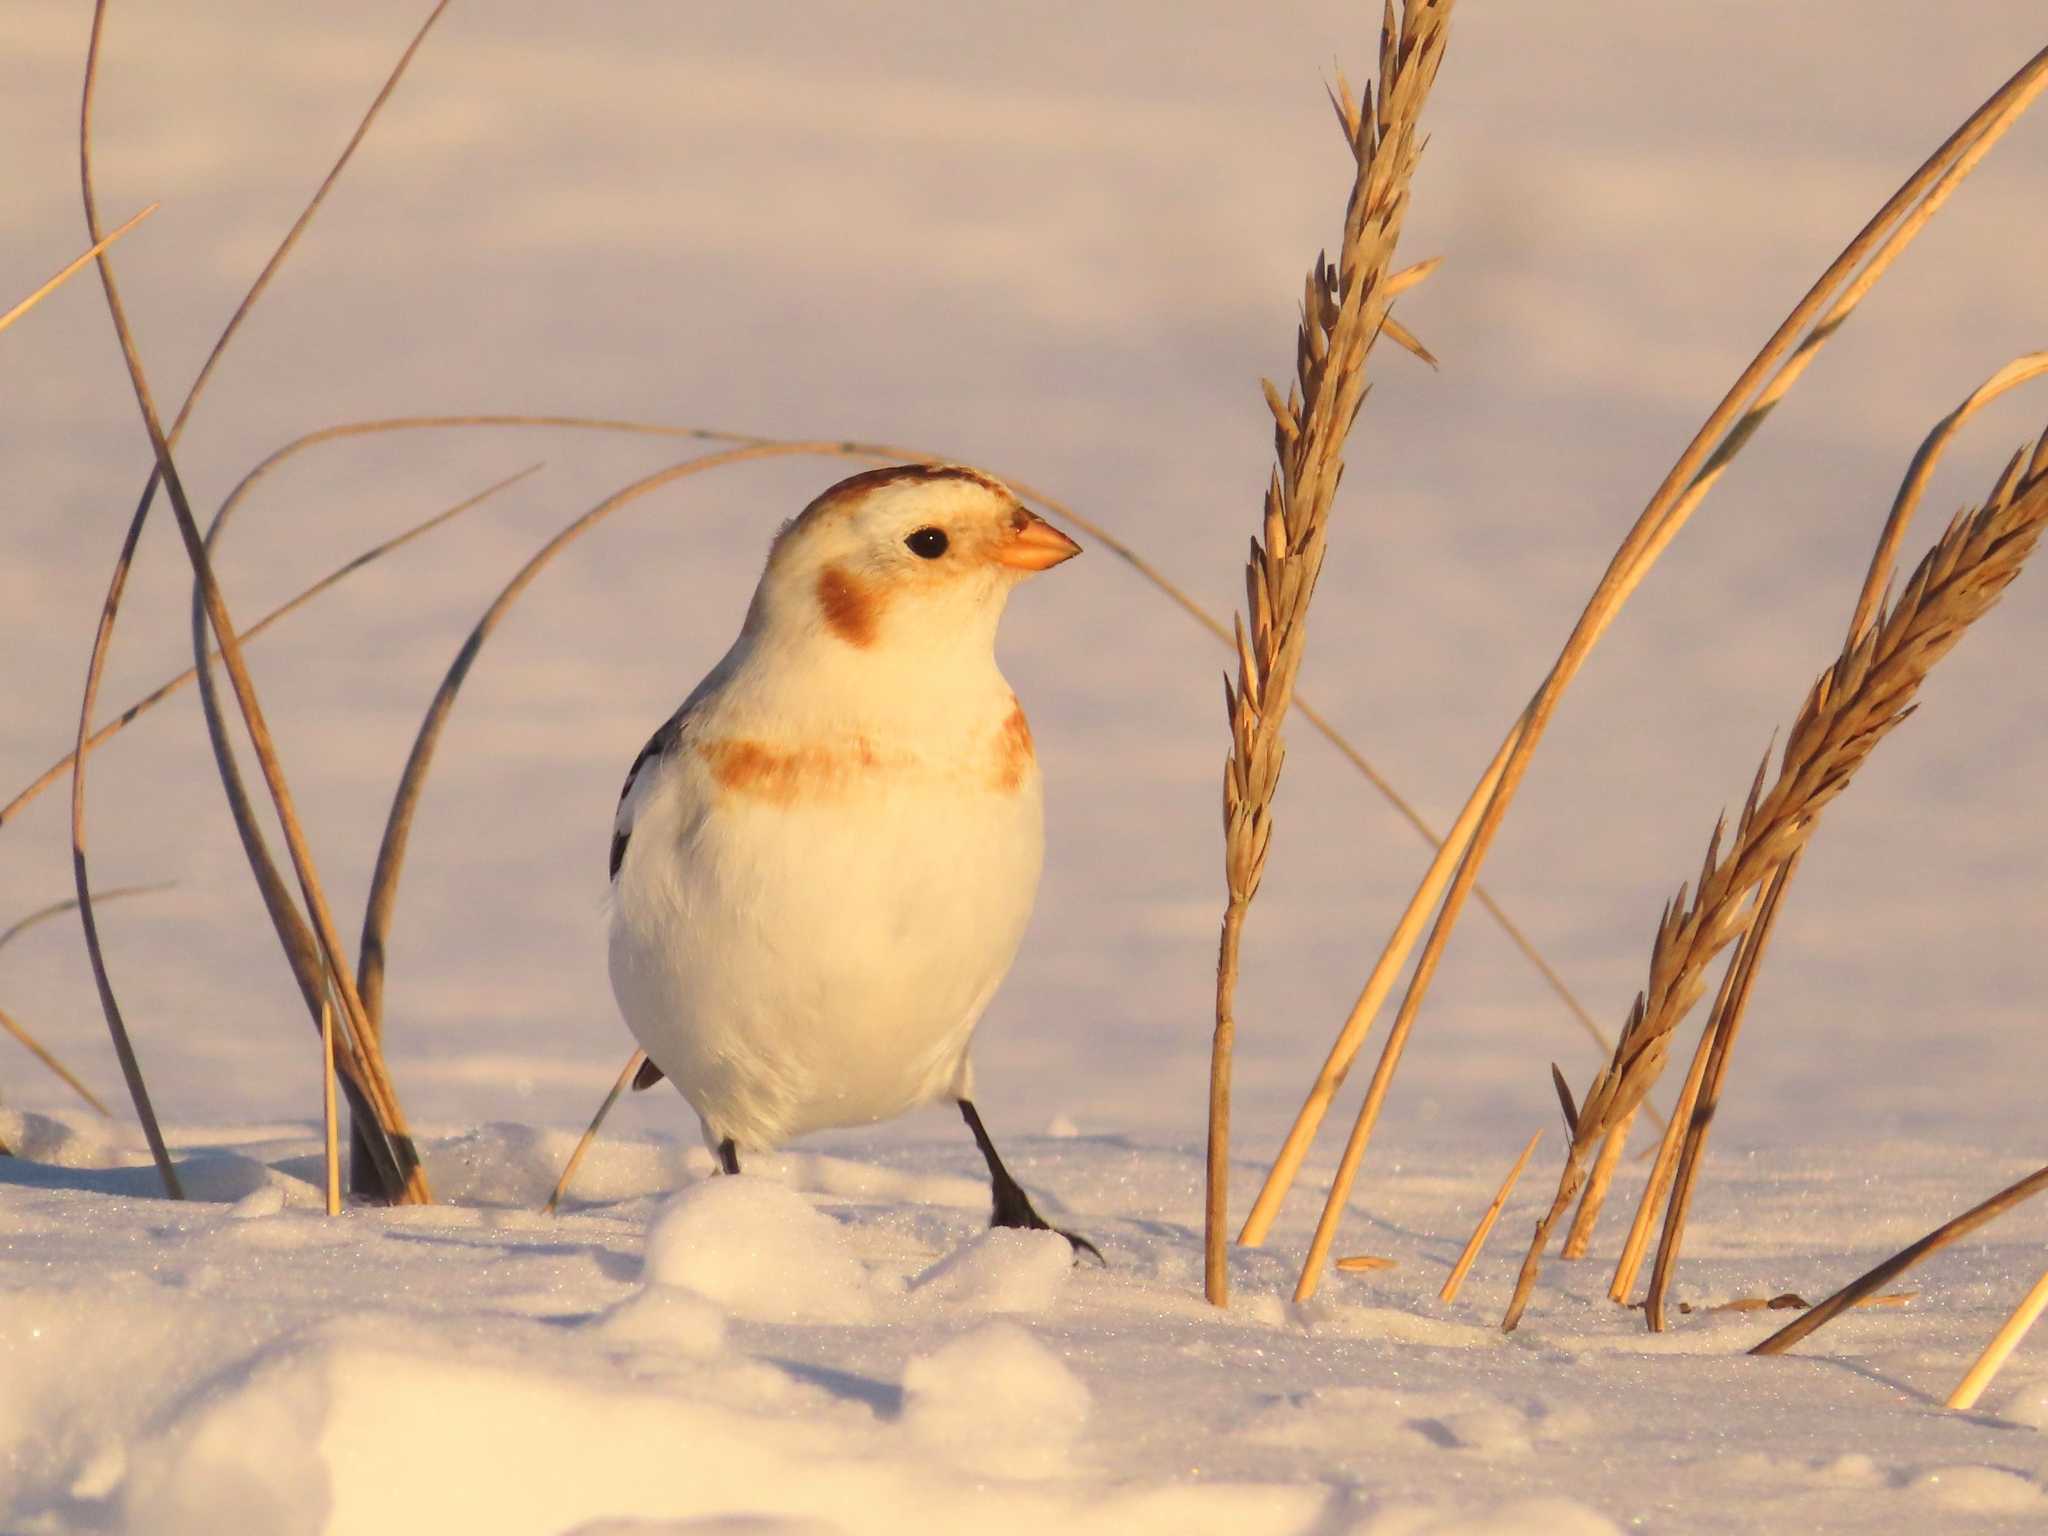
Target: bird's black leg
[1012, 1206]
[728, 1156]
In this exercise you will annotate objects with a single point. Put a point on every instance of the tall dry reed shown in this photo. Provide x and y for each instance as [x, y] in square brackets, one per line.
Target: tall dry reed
[1853, 705]
[1343, 310]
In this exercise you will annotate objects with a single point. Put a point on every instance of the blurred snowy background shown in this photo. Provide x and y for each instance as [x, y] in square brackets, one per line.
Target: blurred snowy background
[1062, 242]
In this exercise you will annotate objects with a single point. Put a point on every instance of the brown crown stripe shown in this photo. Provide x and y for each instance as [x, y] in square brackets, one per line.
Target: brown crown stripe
[853, 487]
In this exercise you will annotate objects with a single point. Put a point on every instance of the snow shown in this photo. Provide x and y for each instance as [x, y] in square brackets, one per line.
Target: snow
[1063, 243]
[761, 1251]
[659, 1356]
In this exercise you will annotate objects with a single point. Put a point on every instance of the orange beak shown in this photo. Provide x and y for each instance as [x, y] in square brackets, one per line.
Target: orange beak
[1036, 546]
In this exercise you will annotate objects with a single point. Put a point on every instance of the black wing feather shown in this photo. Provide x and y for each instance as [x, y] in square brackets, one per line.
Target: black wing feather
[659, 745]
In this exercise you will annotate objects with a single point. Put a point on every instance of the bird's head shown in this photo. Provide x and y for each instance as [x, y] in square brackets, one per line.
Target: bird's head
[919, 556]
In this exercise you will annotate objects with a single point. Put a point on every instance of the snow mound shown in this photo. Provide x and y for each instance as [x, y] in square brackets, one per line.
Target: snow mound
[1002, 1270]
[2029, 1405]
[664, 1318]
[997, 1402]
[759, 1250]
[1977, 1490]
[710, 1525]
[1517, 1517]
[67, 1139]
[248, 1442]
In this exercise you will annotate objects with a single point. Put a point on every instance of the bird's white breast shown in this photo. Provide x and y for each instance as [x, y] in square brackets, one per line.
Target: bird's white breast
[807, 925]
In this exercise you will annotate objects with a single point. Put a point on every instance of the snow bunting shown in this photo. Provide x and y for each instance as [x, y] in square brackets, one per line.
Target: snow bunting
[823, 862]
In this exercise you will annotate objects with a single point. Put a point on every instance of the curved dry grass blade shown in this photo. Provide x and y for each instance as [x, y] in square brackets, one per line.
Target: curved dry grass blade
[1484, 1230]
[20, 1032]
[77, 265]
[1721, 1029]
[330, 1131]
[1852, 706]
[1948, 1232]
[110, 1007]
[383, 896]
[1885, 557]
[118, 582]
[1580, 1237]
[1727, 429]
[863, 452]
[1344, 311]
[1726, 1022]
[58, 908]
[633, 1064]
[142, 706]
[1659, 1182]
[35, 1048]
[377, 1161]
[2002, 1344]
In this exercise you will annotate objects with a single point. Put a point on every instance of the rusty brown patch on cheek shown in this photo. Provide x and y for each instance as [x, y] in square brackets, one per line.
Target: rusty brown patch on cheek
[851, 609]
[786, 776]
[1014, 752]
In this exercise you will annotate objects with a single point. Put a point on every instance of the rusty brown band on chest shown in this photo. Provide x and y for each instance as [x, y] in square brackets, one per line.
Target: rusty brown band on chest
[779, 774]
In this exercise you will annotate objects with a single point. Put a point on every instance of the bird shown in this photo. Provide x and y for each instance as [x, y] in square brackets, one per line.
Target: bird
[823, 862]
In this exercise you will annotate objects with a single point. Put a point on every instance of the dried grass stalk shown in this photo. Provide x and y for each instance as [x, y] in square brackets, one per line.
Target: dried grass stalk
[2002, 1344]
[1725, 1024]
[633, 1064]
[1948, 1232]
[1851, 707]
[328, 1119]
[1580, 1237]
[1661, 1172]
[1344, 309]
[35, 1048]
[14, 1026]
[1749, 401]
[142, 706]
[77, 265]
[161, 442]
[1366, 1263]
[1484, 1230]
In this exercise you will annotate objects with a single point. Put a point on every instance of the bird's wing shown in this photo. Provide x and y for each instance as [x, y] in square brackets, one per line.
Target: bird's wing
[640, 777]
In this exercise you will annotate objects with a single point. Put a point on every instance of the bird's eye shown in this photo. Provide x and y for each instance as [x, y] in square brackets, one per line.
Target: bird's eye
[927, 543]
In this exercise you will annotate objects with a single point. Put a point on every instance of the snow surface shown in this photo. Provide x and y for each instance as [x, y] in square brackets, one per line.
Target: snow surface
[1062, 242]
[827, 1359]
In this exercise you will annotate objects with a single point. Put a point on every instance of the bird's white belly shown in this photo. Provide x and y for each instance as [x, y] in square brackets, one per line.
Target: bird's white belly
[793, 967]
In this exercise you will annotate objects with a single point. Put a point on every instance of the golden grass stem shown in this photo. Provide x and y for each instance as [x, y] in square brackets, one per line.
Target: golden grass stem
[103, 985]
[142, 706]
[1344, 311]
[36, 1049]
[1720, 438]
[328, 1117]
[72, 268]
[1484, 1230]
[1580, 1237]
[1216, 1168]
[14, 1026]
[583, 1142]
[1871, 1280]
[1855, 703]
[1365, 1263]
[117, 583]
[1721, 1029]
[2002, 1344]
[1661, 1172]
[1726, 1022]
